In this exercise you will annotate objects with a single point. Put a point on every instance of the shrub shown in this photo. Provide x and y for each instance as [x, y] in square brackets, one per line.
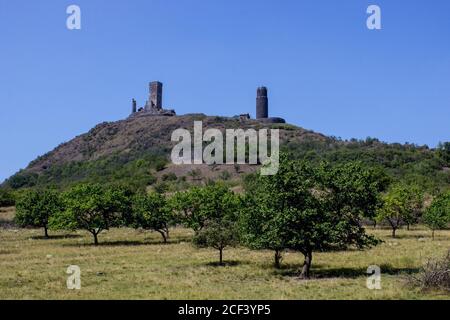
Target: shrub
[225, 175]
[7, 198]
[169, 177]
[435, 275]
[160, 165]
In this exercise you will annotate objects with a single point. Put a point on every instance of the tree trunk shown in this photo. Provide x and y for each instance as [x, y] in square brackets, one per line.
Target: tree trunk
[95, 238]
[432, 234]
[393, 232]
[46, 232]
[163, 234]
[277, 258]
[407, 227]
[220, 256]
[306, 266]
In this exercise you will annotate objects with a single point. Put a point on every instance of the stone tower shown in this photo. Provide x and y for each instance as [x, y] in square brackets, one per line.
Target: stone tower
[262, 103]
[133, 106]
[155, 100]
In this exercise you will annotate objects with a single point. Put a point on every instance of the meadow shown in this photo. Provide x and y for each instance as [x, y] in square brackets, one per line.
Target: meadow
[133, 264]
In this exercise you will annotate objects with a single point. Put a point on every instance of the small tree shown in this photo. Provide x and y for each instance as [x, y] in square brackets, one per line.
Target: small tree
[94, 208]
[402, 205]
[35, 208]
[437, 216]
[217, 234]
[151, 212]
[211, 211]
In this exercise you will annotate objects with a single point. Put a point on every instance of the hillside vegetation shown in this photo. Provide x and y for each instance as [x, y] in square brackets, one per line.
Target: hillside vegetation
[136, 152]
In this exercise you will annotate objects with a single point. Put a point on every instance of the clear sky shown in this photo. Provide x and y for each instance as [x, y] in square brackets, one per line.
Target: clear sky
[324, 69]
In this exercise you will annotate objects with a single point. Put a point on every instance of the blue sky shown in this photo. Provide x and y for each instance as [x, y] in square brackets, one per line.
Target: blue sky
[324, 69]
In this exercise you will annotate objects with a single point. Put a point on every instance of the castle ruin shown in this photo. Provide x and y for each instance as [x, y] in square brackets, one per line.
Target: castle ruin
[153, 105]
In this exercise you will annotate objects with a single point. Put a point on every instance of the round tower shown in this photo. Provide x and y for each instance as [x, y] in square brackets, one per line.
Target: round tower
[262, 103]
[133, 106]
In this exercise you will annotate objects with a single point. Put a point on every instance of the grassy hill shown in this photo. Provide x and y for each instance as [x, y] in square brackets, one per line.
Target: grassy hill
[136, 151]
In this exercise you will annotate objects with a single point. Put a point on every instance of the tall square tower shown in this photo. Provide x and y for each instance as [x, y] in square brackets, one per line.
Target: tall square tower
[155, 99]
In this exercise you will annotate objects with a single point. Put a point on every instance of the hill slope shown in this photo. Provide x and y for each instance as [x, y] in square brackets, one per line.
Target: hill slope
[136, 151]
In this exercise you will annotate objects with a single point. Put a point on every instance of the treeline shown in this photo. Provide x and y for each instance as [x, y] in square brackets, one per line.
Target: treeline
[131, 169]
[407, 163]
[305, 208]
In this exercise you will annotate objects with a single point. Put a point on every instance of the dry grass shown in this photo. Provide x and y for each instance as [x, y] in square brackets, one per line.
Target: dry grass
[134, 265]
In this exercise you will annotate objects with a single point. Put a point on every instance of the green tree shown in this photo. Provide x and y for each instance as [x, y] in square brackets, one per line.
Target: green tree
[218, 234]
[7, 198]
[196, 206]
[94, 207]
[437, 216]
[401, 205]
[211, 211]
[415, 200]
[308, 209]
[262, 226]
[151, 212]
[35, 208]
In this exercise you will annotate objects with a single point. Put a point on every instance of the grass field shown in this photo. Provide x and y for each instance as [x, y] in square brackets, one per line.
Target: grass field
[134, 265]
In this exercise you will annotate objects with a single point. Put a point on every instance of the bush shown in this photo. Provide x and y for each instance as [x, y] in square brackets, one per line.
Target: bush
[435, 275]
[160, 165]
[7, 198]
[225, 175]
[169, 177]
[22, 180]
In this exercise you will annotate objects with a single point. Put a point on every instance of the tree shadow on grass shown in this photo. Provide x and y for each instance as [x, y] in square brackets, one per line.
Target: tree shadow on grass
[57, 237]
[126, 243]
[119, 243]
[408, 236]
[226, 263]
[7, 224]
[176, 240]
[322, 272]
